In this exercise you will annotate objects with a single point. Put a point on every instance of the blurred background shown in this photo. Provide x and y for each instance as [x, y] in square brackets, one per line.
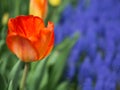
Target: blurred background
[86, 55]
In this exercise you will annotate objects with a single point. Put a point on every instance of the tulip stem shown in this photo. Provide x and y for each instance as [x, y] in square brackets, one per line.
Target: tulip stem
[23, 80]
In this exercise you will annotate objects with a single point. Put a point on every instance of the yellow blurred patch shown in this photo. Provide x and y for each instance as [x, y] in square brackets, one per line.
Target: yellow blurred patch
[5, 18]
[55, 2]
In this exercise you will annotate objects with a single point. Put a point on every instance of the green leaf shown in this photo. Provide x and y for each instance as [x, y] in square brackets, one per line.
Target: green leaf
[52, 58]
[44, 79]
[60, 62]
[63, 86]
[1, 43]
[10, 87]
[36, 74]
[15, 69]
[14, 75]
[2, 82]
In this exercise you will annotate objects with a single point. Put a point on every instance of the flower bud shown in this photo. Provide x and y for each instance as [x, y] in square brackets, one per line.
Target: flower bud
[38, 8]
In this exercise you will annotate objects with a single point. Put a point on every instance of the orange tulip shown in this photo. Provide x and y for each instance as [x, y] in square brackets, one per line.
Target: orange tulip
[29, 39]
[38, 8]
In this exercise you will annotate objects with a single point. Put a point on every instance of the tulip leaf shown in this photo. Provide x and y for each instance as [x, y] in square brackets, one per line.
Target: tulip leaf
[2, 83]
[44, 80]
[15, 69]
[10, 87]
[1, 43]
[63, 86]
[41, 74]
[17, 8]
[52, 58]
[38, 70]
[14, 74]
[60, 63]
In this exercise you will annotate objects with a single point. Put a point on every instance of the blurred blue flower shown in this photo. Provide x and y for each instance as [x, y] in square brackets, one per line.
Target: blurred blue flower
[87, 84]
[96, 55]
[86, 70]
[99, 85]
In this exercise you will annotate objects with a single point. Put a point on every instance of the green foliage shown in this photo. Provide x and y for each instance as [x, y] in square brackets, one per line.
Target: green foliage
[14, 76]
[3, 83]
[46, 74]
[63, 86]
[54, 13]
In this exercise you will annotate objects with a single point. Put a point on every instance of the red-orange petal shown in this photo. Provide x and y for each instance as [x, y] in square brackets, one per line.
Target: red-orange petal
[22, 48]
[25, 26]
[50, 45]
[46, 41]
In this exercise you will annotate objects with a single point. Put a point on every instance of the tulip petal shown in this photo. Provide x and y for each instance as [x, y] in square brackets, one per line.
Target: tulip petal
[25, 26]
[22, 48]
[46, 41]
[50, 46]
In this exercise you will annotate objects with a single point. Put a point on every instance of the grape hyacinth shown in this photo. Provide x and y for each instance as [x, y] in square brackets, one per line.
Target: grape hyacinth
[97, 51]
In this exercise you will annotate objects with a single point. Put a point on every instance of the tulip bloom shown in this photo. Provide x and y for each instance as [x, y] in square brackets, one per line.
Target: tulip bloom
[29, 39]
[38, 8]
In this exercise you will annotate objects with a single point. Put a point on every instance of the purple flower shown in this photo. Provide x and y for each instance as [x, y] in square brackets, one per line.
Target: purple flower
[96, 55]
[87, 84]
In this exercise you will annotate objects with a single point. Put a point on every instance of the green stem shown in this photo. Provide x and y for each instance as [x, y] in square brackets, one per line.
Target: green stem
[23, 80]
[17, 8]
